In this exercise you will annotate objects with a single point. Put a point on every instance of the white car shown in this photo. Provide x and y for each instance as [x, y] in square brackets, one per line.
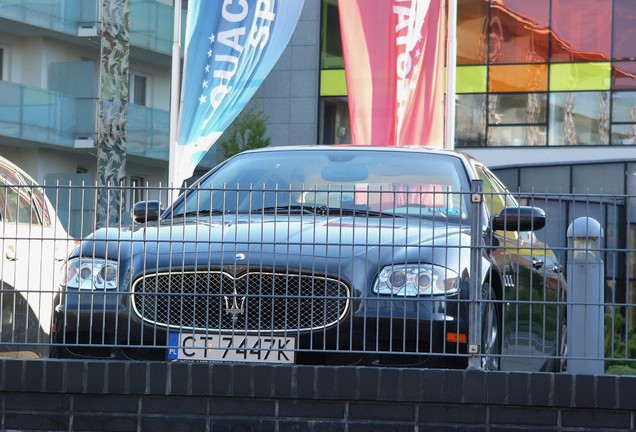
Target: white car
[33, 244]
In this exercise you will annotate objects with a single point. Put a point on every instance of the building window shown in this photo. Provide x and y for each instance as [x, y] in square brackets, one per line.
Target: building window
[331, 56]
[470, 123]
[624, 117]
[517, 119]
[334, 118]
[579, 118]
[137, 92]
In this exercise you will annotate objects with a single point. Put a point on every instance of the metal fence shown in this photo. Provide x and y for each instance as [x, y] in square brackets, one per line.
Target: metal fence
[299, 279]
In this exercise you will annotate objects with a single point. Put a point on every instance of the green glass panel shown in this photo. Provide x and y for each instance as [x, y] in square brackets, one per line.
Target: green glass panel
[471, 79]
[333, 83]
[580, 76]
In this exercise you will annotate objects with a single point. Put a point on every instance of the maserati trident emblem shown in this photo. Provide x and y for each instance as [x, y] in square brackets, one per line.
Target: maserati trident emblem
[234, 308]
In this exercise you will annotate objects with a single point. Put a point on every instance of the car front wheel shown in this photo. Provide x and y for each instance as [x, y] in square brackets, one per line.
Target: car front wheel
[490, 330]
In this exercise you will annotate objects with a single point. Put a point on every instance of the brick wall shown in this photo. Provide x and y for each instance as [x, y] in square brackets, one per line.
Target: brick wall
[55, 395]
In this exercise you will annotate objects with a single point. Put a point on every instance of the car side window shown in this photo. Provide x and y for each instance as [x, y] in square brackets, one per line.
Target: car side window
[39, 200]
[16, 205]
[494, 197]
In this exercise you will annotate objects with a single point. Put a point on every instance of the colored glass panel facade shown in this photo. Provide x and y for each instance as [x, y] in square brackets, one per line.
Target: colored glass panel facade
[539, 73]
[333, 82]
[518, 31]
[624, 75]
[624, 30]
[472, 19]
[472, 79]
[581, 30]
[518, 78]
[580, 76]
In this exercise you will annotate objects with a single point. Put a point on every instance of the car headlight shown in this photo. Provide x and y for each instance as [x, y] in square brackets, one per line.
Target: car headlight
[90, 273]
[416, 279]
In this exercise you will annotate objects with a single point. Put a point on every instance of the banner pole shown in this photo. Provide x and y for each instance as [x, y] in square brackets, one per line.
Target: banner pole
[451, 75]
[174, 103]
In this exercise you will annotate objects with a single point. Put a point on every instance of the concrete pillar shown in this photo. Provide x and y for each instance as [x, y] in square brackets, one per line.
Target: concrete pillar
[586, 280]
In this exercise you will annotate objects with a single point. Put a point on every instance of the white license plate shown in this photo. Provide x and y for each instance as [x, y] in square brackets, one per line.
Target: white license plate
[231, 348]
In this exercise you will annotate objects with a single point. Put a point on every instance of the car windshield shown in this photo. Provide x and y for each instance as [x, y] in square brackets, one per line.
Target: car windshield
[408, 184]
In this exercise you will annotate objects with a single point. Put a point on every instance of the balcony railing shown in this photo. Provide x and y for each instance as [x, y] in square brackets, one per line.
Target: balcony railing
[54, 118]
[151, 22]
[38, 115]
[148, 132]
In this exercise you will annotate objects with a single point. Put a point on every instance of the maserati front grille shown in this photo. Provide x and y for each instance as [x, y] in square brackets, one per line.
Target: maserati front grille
[253, 301]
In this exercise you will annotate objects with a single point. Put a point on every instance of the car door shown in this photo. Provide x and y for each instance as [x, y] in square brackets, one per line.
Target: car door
[549, 308]
[28, 264]
[523, 284]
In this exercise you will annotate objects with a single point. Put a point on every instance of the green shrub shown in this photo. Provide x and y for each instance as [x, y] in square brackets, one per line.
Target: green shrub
[620, 345]
[247, 132]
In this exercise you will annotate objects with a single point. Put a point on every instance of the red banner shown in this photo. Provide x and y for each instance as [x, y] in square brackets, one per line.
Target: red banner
[394, 64]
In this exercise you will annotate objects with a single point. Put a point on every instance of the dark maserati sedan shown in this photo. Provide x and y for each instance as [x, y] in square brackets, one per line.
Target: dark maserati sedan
[322, 255]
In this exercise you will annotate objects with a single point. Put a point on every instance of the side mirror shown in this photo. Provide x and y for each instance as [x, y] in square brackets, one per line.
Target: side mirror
[521, 218]
[147, 211]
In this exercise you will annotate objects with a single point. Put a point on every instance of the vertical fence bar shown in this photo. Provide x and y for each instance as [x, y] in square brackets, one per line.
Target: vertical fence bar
[476, 242]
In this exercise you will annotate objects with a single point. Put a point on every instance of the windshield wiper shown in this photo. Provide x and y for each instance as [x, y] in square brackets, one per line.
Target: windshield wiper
[323, 210]
[344, 211]
[289, 209]
[201, 212]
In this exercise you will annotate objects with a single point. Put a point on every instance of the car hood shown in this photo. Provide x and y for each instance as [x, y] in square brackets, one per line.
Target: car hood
[313, 236]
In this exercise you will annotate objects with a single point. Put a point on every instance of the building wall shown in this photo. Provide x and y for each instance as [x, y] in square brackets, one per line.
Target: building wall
[289, 95]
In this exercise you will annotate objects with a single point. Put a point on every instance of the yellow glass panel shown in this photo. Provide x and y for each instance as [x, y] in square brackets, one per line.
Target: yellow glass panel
[580, 76]
[333, 83]
[471, 79]
[518, 78]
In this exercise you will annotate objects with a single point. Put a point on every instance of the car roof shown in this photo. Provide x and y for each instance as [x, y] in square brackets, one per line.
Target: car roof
[22, 173]
[370, 148]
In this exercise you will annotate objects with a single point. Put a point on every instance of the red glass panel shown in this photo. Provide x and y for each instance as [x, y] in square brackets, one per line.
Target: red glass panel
[624, 75]
[519, 31]
[472, 16]
[581, 30]
[624, 30]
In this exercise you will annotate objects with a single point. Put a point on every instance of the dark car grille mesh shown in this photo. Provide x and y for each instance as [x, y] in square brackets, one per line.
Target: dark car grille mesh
[252, 301]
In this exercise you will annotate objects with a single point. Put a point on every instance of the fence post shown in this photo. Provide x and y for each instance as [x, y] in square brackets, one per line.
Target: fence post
[475, 297]
[585, 338]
